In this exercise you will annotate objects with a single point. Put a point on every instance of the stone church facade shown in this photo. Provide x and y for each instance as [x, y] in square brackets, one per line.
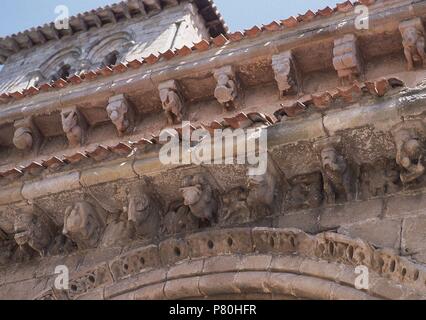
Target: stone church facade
[82, 185]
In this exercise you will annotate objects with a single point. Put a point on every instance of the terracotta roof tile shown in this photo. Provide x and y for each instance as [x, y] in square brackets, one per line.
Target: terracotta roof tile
[220, 40]
[119, 68]
[253, 32]
[135, 64]
[151, 59]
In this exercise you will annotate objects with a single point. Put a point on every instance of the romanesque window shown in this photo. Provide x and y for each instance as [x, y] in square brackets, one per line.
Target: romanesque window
[62, 64]
[63, 73]
[111, 59]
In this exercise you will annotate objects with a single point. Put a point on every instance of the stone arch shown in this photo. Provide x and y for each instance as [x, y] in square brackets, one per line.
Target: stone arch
[116, 43]
[68, 57]
[245, 262]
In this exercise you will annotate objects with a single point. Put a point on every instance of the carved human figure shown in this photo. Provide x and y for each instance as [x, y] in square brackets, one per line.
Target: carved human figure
[235, 207]
[23, 138]
[379, 180]
[172, 102]
[305, 192]
[31, 230]
[179, 221]
[83, 225]
[261, 193]
[199, 197]
[409, 155]
[144, 213]
[120, 113]
[336, 176]
[226, 89]
[117, 233]
[71, 127]
[413, 40]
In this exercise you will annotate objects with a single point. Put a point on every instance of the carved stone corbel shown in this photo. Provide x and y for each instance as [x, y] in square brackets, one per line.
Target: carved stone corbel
[74, 126]
[338, 177]
[172, 101]
[143, 212]
[413, 40]
[287, 74]
[262, 192]
[227, 86]
[33, 231]
[410, 150]
[346, 58]
[199, 197]
[27, 136]
[84, 225]
[121, 113]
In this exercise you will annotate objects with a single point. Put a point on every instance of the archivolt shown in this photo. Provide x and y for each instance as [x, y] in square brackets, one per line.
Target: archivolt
[114, 42]
[270, 263]
[67, 56]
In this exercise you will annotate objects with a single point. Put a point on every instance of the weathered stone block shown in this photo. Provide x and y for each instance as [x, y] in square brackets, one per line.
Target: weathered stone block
[111, 172]
[173, 250]
[135, 262]
[279, 241]
[290, 264]
[10, 195]
[255, 262]
[186, 269]
[182, 288]
[414, 235]
[336, 216]
[52, 185]
[135, 283]
[217, 284]
[406, 205]
[220, 242]
[154, 292]
[382, 233]
[306, 220]
[221, 264]
[253, 282]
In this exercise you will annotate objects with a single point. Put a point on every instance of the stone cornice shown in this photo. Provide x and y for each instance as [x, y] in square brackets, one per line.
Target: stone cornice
[224, 48]
[111, 164]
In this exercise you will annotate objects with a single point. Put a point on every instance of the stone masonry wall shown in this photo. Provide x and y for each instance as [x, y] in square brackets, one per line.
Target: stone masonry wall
[169, 29]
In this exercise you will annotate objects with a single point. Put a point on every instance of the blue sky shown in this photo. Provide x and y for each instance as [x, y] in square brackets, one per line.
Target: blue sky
[18, 15]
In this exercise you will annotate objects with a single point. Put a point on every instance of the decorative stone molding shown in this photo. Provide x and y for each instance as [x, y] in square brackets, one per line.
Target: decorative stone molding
[33, 231]
[74, 126]
[121, 113]
[286, 73]
[89, 281]
[337, 175]
[172, 101]
[227, 86]
[413, 40]
[27, 136]
[346, 58]
[327, 256]
[84, 225]
[199, 197]
[410, 150]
